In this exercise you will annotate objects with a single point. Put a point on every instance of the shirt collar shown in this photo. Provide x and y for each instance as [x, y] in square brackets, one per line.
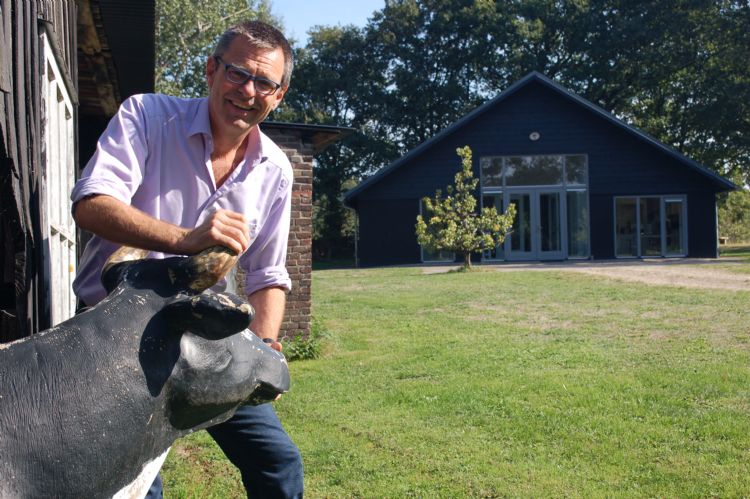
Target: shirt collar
[201, 124]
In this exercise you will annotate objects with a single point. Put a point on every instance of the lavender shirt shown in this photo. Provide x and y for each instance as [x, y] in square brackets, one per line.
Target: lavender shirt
[155, 155]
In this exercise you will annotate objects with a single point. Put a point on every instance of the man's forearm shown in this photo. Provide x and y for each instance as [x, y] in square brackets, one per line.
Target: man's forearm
[120, 223]
[269, 306]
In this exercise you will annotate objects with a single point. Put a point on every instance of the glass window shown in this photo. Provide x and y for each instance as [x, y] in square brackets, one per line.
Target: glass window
[626, 227]
[533, 170]
[578, 224]
[575, 169]
[673, 227]
[492, 172]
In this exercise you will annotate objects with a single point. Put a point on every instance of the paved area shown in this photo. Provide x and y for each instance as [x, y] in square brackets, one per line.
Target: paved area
[706, 273]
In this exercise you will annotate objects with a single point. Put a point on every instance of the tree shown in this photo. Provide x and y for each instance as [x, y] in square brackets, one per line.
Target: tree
[337, 85]
[453, 224]
[674, 68]
[186, 32]
[734, 216]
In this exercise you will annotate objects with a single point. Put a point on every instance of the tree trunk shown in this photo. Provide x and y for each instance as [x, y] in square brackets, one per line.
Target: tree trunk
[467, 261]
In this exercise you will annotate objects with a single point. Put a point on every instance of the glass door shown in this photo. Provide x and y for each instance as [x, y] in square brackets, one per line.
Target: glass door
[537, 227]
[548, 225]
[521, 235]
[674, 227]
[650, 226]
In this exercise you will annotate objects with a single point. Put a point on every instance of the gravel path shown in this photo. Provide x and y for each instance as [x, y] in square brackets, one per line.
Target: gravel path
[683, 272]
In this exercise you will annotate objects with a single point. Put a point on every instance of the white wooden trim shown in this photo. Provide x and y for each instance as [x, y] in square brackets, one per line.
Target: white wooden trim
[58, 177]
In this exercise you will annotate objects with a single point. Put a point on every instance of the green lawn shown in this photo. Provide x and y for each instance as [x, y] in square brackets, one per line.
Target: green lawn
[521, 384]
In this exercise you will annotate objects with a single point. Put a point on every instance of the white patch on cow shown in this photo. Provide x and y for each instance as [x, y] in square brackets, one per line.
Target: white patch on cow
[225, 301]
[247, 334]
[137, 488]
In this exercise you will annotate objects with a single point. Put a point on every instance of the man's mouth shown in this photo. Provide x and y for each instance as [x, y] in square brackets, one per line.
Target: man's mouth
[241, 107]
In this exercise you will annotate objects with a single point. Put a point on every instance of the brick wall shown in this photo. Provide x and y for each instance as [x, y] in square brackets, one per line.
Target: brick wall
[297, 319]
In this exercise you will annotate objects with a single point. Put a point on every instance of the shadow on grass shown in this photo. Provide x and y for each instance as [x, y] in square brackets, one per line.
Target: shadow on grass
[346, 263]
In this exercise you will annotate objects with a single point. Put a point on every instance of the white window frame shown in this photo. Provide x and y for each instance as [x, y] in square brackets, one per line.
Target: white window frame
[562, 188]
[663, 199]
[58, 177]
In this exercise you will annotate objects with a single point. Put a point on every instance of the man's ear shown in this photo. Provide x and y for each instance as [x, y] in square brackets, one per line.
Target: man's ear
[210, 315]
[279, 96]
[211, 67]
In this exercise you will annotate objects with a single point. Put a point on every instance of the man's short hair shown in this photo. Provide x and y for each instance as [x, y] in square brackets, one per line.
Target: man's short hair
[260, 36]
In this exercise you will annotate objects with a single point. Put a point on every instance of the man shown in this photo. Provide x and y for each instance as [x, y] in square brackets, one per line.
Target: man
[176, 176]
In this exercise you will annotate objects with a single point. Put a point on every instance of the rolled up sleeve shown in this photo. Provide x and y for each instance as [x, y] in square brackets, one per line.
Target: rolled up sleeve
[117, 167]
[264, 263]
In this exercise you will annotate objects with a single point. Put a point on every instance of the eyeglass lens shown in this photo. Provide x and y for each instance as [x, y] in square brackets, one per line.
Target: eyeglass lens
[240, 77]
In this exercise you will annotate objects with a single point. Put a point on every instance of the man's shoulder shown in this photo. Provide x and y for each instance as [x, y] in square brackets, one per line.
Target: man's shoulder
[152, 105]
[276, 155]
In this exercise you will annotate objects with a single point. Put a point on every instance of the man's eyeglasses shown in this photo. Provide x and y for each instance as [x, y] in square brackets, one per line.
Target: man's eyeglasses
[263, 86]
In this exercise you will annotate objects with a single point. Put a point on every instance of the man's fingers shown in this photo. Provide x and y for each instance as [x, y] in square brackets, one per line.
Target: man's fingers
[237, 231]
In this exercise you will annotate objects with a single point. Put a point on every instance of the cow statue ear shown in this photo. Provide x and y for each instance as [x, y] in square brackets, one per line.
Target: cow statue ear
[210, 315]
[116, 266]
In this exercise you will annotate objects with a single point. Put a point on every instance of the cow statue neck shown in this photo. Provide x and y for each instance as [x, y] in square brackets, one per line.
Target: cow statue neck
[87, 404]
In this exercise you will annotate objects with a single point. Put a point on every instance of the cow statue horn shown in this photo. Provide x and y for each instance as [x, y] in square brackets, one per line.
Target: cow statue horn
[209, 266]
[197, 272]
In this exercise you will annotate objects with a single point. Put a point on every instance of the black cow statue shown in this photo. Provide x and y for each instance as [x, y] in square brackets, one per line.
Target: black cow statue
[93, 403]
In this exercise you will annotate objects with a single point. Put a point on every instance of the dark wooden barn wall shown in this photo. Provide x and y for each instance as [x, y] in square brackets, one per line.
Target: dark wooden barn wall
[21, 64]
[619, 164]
[387, 232]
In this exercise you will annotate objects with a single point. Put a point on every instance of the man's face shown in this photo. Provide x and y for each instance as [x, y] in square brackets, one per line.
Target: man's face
[235, 108]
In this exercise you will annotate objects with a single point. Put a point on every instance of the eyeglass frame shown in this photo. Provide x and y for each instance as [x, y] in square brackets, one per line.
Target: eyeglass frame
[247, 75]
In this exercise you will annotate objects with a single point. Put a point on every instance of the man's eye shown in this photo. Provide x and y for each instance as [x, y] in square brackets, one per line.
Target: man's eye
[264, 85]
[238, 74]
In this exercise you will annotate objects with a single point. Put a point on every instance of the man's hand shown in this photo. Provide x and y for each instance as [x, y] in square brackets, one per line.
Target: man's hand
[222, 228]
[273, 344]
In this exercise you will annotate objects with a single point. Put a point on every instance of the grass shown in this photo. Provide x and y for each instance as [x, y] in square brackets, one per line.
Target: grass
[740, 256]
[489, 384]
[736, 250]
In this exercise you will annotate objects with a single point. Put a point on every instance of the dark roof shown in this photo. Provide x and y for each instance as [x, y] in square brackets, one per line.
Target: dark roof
[116, 53]
[320, 135]
[534, 76]
[131, 28]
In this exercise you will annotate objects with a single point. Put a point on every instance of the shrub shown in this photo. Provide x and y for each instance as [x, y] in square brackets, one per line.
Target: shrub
[301, 348]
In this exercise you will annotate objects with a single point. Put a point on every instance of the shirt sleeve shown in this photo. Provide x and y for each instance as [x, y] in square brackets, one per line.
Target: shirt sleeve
[117, 167]
[264, 262]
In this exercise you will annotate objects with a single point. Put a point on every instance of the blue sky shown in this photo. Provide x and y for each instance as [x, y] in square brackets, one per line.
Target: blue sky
[300, 15]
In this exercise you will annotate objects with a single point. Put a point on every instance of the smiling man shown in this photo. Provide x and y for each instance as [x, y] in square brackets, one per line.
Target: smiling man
[176, 176]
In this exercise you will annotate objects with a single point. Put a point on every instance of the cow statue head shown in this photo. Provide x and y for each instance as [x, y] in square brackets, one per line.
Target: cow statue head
[87, 405]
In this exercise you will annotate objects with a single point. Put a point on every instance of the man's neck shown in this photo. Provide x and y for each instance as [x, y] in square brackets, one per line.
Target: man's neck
[229, 146]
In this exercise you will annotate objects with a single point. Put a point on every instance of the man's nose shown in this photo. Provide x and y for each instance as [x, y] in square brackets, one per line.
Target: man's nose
[248, 88]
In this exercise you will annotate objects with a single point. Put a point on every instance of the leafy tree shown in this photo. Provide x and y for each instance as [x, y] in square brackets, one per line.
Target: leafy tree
[186, 32]
[734, 217]
[453, 223]
[335, 83]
